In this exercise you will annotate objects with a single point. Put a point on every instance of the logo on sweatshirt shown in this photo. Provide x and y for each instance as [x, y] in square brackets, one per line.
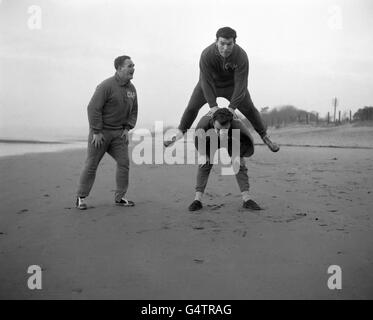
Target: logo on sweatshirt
[230, 66]
[131, 94]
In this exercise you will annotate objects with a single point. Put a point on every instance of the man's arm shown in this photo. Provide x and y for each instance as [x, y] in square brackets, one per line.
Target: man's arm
[238, 124]
[95, 107]
[133, 116]
[241, 75]
[207, 82]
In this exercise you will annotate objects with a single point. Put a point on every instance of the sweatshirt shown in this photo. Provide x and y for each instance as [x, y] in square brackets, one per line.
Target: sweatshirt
[113, 106]
[246, 141]
[219, 72]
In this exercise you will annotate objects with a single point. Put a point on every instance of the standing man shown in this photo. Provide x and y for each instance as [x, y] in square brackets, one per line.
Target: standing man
[112, 112]
[221, 123]
[224, 70]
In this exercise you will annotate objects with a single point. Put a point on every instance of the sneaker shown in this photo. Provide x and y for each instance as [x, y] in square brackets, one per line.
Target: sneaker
[271, 145]
[167, 143]
[80, 203]
[125, 203]
[251, 204]
[195, 205]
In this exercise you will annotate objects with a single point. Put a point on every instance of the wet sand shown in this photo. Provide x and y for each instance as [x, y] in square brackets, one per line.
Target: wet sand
[317, 212]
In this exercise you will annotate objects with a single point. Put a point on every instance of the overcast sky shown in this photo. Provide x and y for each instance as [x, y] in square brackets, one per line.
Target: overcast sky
[301, 53]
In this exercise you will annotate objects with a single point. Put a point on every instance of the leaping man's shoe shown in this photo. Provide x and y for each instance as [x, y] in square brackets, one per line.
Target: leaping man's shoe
[167, 143]
[271, 145]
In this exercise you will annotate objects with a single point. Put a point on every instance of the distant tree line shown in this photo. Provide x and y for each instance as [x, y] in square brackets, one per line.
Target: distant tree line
[287, 114]
[363, 114]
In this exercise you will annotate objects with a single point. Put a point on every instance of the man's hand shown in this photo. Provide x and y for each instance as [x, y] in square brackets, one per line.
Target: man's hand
[98, 140]
[233, 112]
[212, 111]
[178, 136]
[125, 135]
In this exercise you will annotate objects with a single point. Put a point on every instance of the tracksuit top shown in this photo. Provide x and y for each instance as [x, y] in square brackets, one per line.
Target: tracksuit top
[113, 106]
[219, 72]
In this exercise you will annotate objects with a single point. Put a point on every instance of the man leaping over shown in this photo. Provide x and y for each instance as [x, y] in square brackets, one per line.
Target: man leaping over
[224, 70]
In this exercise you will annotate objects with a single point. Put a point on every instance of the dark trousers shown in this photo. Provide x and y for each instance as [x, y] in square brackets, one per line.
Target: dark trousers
[204, 173]
[246, 150]
[246, 107]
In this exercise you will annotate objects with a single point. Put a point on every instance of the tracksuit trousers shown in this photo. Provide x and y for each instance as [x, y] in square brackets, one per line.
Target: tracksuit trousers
[115, 146]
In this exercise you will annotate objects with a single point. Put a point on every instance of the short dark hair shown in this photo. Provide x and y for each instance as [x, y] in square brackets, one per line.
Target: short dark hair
[226, 33]
[118, 62]
[223, 116]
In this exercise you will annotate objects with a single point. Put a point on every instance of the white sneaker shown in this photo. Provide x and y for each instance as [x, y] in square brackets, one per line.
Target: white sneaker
[80, 203]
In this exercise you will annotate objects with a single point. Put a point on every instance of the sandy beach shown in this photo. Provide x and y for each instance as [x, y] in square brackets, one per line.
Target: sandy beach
[317, 212]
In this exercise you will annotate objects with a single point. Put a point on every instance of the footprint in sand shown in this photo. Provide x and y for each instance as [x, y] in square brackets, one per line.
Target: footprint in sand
[301, 214]
[215, 206]
[199, 261]
[78, 290]
[22, 211]
[143, 231]
[240, 232]
[165, 226]
[297, 217]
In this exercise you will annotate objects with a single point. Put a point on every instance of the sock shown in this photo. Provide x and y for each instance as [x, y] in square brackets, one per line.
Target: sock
[198, 196]
[245, 196]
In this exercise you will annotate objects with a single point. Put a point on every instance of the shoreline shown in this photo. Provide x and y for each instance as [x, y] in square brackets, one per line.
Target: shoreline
[10, 149]
[78, 145]
[15, 141]
[338, 137]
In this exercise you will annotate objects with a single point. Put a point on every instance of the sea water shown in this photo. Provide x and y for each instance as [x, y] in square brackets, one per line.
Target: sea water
[20, 148]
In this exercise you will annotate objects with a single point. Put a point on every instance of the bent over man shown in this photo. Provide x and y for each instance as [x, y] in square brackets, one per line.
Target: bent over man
[112, 112]
[222, 122]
